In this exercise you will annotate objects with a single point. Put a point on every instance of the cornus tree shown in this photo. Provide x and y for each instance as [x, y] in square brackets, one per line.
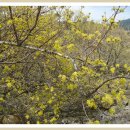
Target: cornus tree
[55, 63]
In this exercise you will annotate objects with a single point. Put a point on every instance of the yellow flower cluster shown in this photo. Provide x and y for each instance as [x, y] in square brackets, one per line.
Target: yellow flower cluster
[112, 39]
[74, 76]
[71, 86]
[123, 81]
[112, 70]
[91, 103]
[62, 78]
[112, 111]
[107, 99]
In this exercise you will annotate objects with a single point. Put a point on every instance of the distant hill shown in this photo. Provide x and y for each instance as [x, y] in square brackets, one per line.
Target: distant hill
[125, 24]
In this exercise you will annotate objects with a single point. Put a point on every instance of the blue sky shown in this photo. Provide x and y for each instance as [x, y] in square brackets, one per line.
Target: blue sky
[98, 11]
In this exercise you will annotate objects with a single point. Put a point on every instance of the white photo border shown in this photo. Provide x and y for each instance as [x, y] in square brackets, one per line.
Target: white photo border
[64, 125]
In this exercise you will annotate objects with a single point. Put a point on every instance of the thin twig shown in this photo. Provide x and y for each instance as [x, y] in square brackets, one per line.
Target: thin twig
[85, 110]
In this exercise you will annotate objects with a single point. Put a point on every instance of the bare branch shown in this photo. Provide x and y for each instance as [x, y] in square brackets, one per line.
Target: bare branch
[14, 28]
[104, 36]
[33, 27]
[106, 81]
[42, 50]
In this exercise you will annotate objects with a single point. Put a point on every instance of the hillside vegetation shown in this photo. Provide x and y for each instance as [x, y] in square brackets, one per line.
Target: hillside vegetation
[58, 66]
[125, 24]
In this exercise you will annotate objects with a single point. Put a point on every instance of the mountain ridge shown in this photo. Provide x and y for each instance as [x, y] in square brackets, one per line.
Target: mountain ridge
[125, 24]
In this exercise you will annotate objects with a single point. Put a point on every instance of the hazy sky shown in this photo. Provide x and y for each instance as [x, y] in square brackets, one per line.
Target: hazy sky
[98, 11]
